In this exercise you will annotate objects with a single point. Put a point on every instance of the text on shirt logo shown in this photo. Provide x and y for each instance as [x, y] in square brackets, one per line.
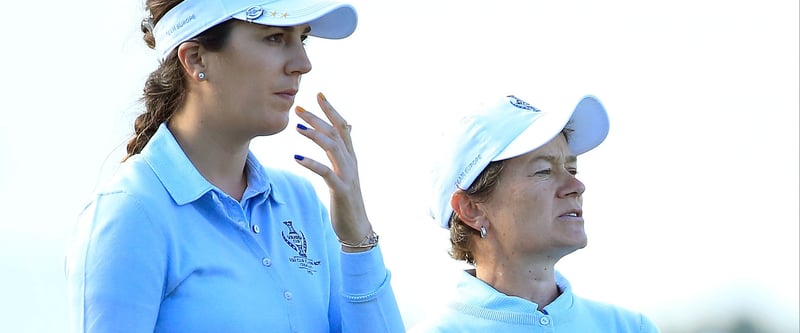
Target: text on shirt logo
[297, 241]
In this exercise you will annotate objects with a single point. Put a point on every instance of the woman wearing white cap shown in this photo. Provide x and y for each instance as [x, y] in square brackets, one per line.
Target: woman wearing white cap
[505, 186]
[193, 234]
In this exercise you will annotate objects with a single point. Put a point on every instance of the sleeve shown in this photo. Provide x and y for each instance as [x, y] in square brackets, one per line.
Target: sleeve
[647, 325]
[368, 301]
[115, 268]
[361, 297]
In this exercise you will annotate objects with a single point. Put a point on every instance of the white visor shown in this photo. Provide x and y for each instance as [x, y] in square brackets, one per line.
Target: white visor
[506, 129]
[328, 19]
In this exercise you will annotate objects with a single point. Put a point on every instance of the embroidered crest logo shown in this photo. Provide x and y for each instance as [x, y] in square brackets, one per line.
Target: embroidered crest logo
[253, 12]
[522, 104]
[297, 241]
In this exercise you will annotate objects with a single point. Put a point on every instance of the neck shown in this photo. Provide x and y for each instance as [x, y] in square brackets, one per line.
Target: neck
[533, 280]
[220, 159]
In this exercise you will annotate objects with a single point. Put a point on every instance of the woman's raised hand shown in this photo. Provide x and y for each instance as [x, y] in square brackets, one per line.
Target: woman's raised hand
[348, 215]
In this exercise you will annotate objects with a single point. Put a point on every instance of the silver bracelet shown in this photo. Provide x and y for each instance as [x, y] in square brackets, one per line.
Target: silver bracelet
[368, 242]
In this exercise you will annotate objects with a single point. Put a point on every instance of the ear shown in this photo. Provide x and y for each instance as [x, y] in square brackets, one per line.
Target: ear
[190, 56]
[468, 210]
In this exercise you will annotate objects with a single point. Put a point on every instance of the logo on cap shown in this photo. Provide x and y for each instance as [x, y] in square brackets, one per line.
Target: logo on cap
[253, 13]
[522, 104]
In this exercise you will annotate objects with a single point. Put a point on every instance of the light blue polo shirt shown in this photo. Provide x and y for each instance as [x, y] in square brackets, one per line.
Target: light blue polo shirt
[160, 249]
[477, 307]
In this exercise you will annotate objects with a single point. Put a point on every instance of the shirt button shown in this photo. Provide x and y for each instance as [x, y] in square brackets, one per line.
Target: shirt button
[544, 321]
[266, 262]
[256, 228]
[287, 295]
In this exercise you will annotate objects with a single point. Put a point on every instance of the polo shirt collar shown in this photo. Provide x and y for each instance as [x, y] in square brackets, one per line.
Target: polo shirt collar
[182, 180]
[473, 289]
[258, 181]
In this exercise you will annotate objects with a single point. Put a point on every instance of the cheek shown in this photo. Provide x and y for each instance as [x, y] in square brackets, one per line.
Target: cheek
[253, 64]
[534, 201]
[530, 191]
[521, 202]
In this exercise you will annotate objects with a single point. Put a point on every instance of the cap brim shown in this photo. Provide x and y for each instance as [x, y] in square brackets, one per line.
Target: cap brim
[588, 121]
[328, 19]
[590, 125]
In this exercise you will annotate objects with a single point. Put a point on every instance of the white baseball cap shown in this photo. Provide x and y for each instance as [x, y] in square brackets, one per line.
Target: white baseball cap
[508, 128]
[328, 19]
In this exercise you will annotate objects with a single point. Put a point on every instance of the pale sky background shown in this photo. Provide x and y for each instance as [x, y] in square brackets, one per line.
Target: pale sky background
[691, 204]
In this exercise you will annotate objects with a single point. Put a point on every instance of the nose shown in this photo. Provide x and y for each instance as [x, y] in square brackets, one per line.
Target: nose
[299, 63]
[572, 186]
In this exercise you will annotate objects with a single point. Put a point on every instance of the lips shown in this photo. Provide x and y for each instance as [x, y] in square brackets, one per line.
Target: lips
[287, 95]
[287, 92]
[573, 214]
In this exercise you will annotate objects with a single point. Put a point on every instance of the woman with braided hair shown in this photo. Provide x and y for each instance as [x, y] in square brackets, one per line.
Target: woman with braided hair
[193, 233]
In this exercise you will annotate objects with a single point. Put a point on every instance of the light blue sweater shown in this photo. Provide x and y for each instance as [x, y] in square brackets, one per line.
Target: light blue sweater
[160, 249]
[477, 307]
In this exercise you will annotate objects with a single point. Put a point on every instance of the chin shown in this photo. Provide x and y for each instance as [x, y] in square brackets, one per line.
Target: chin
[578, 243]
[583, 242]
[273, 126]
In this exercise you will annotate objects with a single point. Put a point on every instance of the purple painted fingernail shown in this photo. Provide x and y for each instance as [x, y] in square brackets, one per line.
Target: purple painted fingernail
[302, 127]
[299, 157]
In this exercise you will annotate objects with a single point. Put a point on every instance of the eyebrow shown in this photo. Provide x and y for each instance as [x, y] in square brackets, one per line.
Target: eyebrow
[290, 28]
[554, 159]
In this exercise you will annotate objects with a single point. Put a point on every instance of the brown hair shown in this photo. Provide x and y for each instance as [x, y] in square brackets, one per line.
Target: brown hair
[165, 88]
[462, 235]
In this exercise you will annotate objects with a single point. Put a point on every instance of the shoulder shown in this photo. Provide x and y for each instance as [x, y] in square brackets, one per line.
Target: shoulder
[442, 322]
[134, 177]
[133, 194]
[614, 314]
[603, 308]
[459, 323]
[454, 317]
[427, 327]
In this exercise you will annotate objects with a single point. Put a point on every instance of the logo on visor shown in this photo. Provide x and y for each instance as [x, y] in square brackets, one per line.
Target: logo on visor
[180, 24]
[253, 13]
[522, 104]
